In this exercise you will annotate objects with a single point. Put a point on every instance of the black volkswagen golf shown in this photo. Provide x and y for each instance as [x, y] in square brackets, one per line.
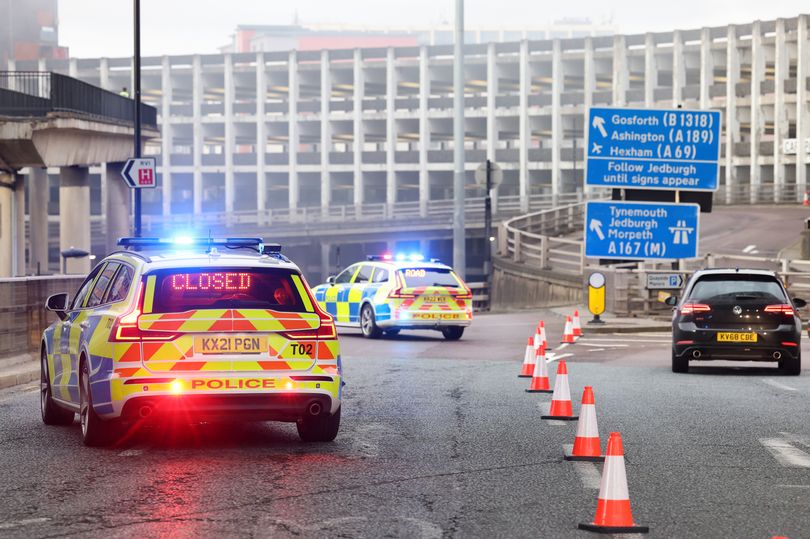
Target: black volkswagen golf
[736, 314]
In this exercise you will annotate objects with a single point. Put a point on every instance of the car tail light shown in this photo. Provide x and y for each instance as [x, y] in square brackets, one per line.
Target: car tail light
[694, 308]
[125, 328]
[784, 308]
[325, 331]
[466, 294]
[397, 292]
[788, 343]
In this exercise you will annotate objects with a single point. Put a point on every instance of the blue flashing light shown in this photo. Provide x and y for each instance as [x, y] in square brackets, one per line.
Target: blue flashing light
[400, 257]
[416, 257]
[183, 240]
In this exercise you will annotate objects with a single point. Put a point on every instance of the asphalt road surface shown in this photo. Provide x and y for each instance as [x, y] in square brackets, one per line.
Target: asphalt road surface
[759, 231]
[439, 439]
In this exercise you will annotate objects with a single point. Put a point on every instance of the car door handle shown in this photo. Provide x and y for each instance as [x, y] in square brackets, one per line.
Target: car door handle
[84, 325]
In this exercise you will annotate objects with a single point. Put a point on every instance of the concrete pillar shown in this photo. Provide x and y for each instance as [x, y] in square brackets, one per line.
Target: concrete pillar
[197, 134]
[119, 205]
[588, 88]
[6, 224]
[802, 114]
[103, 75]
[74, 215]
[390, 130]
[524, 132]
[326, 132]
[650, 72]
[492, 126]
[706, 68]
[326, 248]
[678, 69]
[620, 72]
[358, 127]
[556, 120]
[780, 116]
[424, 131]
[292, 123]
[757, 74]
[38, 194]
[732, 121]
[165, 135]
[229, 134]
[19, 225]
[261, 136]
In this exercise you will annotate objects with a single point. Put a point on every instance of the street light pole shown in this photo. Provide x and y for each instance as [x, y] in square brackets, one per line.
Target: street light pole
[137, 87]
[459, 234]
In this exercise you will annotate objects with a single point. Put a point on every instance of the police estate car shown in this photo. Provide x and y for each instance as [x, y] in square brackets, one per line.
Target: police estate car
[388, 294]
[194, 328]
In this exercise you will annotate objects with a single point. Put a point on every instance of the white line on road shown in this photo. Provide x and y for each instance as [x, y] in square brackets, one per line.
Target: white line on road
[779, 385]
[797, 438]
[606, 343]
[551, 357]
[635, 340]
[793, 486]
[587, 471]
[131, 453]
[20, 523]
[749, 248]
[786, 454]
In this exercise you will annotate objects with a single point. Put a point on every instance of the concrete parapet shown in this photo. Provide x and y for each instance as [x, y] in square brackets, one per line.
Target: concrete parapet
[516, 285]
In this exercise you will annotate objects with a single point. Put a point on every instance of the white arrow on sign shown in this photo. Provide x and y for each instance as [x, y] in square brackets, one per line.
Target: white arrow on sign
[140, 173]
[596, 226]
[599, 123]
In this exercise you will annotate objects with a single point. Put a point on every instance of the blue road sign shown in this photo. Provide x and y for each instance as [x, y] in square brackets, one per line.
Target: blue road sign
[653, 149]
[641, 230]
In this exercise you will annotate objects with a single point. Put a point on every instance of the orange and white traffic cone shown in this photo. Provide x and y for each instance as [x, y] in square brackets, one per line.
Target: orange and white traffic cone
[586, 444]
[575, 325]
[613, 514]
[528, 360]
[540, 377]
[540, 336]
[806, 201]
[561, 399]
[568, 333]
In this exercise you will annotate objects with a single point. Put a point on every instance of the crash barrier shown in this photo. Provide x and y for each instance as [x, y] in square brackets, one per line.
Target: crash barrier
[23, 317]
[480, 296]
[613, 511]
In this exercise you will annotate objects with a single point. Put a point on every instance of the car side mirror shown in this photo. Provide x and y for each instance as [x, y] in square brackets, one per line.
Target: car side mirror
[671, 300]
[799, 303]
[58, 303]
[330, 279]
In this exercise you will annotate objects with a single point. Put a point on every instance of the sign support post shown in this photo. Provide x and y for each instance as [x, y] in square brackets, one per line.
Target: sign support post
[137, 87]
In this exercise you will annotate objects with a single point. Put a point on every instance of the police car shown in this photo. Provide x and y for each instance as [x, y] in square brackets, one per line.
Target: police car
[191, 328]
[386, 294]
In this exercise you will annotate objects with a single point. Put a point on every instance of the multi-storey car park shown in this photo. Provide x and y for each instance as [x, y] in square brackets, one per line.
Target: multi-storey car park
[260, 140]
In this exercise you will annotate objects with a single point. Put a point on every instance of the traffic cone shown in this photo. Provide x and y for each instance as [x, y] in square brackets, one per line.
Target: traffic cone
[568, 333]
[561, 399]
[586, 444]
[806, 201]
[613, 514]
[575, 325]
[528, 360]
[540, 336]
[540, 377]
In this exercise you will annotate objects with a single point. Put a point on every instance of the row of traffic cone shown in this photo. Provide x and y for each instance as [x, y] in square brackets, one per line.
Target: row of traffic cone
[613, 511]
[573, 328]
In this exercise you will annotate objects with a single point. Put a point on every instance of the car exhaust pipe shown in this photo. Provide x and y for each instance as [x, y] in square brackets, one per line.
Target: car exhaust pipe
[144, 411]
[777, 355]
[696, 354]
[314, 408]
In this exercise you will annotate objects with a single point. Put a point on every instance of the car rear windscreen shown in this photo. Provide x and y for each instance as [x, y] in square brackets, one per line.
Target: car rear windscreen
[186, 289]
[415, 277]
[736, 288]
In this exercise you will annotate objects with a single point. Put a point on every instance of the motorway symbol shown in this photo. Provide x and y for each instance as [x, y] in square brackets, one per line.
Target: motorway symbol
[140, 173]
[641, 230]
[654, 149]
[664, 281]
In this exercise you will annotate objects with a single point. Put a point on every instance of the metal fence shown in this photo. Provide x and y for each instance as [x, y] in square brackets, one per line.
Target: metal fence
[38, 93]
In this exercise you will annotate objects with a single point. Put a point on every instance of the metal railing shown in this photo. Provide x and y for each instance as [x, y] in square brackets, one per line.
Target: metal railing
[38, 93]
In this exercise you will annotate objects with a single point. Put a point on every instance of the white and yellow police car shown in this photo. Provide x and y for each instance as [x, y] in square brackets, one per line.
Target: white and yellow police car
[191, 329]
[390, 293]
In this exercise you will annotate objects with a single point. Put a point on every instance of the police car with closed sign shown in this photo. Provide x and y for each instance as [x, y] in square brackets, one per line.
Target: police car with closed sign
[192, 328]
[386, 294]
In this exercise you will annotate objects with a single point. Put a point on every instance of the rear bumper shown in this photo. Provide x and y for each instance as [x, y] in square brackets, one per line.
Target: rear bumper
[699, 345]
[426, 319]
[255, 407]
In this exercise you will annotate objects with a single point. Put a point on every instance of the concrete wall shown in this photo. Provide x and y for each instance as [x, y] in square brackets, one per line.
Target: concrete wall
[22, 310]
[515, 286]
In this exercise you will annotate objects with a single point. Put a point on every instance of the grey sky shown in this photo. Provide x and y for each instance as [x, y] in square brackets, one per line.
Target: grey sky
[93, 28]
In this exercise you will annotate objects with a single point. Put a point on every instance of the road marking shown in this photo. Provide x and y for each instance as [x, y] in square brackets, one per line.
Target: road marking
[793, 486]
[786, 454]
[797, 438]
[562, 346]
[587, 471]
[749, 248]
[607, 343]
[779, 385]
[634, 340]
[551, 357]
[545, 407]
[131, 453]
[20, 523]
